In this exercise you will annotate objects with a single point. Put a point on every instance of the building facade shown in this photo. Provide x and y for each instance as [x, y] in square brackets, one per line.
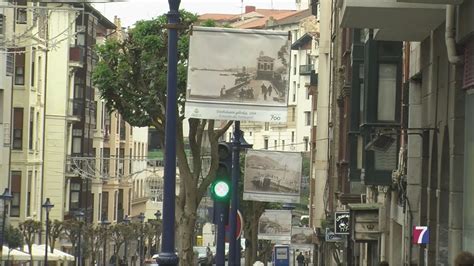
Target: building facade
[398, 148]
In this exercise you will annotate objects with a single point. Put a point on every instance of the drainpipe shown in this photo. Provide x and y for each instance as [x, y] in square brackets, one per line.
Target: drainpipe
[453, 58]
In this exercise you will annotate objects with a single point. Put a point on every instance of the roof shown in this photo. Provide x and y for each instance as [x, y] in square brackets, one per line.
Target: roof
[293, 18]
[261, 22]
[307, 37]
[256, 19]
[101, 18]
[218, 17]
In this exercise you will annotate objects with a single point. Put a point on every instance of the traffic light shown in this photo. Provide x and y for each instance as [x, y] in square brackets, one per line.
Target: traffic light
[221, 187]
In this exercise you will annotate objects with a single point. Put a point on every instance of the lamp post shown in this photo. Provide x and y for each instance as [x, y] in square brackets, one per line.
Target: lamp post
[6, 197]
[79, 217]
[141, 217]
[126, 220]
[158, 230]
[47, 205]
[234, 242]
[104, 223]
[167, 255]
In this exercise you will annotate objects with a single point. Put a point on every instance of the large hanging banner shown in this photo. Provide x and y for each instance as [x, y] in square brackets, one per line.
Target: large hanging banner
[275, 225]
[273, 176]
[237, 74]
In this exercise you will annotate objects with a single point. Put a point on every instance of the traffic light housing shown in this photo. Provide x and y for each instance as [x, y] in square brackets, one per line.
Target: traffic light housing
[221, 187]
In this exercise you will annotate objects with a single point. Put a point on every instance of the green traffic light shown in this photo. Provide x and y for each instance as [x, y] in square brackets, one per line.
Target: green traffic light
[221, 189]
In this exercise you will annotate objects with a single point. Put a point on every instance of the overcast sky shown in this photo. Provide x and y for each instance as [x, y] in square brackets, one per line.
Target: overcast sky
[134, 10]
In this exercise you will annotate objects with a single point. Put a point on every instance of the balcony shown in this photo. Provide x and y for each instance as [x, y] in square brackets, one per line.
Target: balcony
[76, 56]
[385, 17]
[306, 69]
[75, 109]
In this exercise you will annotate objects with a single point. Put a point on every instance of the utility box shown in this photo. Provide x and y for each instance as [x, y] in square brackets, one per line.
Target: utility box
[364, 222]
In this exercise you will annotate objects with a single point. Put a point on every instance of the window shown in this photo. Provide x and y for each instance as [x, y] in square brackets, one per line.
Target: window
[115, 204]
[267, 126]
[307, 118]
[294, 91]
[33, 55]
[17, 128]
[10, 63]
[105, 205]
[76, 141]
[265, 144]
[250, 133]
[307, 93]
[230, 136]
[306, 143]
[283, 145]
[292, 137]
[295, 64]
[28, 195]
[74, 195]
[275, 146]
[2, 24]
[20, 68]
[16, 193]
[31, 136]
[21, 13]
[293, 114]
[387, 92]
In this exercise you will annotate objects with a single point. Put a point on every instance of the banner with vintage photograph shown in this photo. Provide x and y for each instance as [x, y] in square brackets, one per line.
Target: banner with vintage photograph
[301, 235]
[273, 176]
[238, 74]
[275, 225]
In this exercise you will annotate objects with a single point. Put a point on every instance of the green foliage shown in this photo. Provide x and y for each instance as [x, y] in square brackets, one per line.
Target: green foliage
[131, 74]
[72, 230]
[209, 23]
[305, 221]
[29, 229]
[55, 231]
[13, 237]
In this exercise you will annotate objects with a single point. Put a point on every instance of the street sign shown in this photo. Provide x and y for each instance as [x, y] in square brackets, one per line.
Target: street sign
[238, 230]
[331, 237]
[341, 223]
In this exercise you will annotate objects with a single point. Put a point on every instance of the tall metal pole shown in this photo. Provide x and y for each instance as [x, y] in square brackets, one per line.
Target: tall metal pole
[220, 245]
[46, 240]
[167, 255]
[235, 195]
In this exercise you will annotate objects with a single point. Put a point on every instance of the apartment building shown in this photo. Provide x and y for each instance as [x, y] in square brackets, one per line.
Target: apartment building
[6, 81]
[29, 91]
[397, 100]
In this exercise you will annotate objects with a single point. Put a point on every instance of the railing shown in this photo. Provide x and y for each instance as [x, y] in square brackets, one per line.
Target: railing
[306, 69]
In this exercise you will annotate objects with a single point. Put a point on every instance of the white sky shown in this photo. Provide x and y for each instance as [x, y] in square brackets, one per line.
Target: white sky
[133, 10]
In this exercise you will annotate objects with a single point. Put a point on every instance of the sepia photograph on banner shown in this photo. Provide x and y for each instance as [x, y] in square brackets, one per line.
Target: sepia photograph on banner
[237, 74]
[272, 176]
[275, 225]
[301, 235]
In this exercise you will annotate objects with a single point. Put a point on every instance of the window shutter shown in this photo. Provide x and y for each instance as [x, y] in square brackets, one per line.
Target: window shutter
[468, 78]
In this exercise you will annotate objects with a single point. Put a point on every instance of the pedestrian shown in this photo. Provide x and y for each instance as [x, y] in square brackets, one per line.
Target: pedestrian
[269, 90]
[209, 256]
[222, 90]
[464, 259]
[300, 259]
[264, 92]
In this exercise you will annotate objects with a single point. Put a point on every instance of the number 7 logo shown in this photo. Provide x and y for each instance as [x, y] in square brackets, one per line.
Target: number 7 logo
[421, 235]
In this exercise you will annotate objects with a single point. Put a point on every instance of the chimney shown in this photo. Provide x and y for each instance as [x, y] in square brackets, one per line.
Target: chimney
[249, 9]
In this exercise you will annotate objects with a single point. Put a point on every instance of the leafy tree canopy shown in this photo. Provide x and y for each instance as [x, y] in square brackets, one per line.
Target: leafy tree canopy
[131, 74]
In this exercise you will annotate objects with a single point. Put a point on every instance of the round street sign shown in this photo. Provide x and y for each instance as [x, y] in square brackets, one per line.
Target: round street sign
[238, 230]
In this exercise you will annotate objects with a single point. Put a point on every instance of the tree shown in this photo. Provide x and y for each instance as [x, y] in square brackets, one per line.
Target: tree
[72, 230]
[93, 238]
[55, 231]
[29, 229]
[14, 239]
[131, 77]
[120, 233]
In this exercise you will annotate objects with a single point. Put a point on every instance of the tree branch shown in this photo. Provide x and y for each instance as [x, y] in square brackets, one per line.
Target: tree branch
[211, 175]
[221, 131]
